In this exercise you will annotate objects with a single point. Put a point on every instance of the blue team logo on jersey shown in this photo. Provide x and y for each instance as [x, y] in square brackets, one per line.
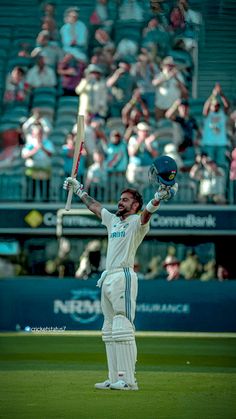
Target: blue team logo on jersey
[117, 234]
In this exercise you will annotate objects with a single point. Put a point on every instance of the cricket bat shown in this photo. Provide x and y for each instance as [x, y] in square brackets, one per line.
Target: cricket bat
[76, 158]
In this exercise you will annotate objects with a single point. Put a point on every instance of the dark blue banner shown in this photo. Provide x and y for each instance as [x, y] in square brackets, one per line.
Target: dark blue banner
[70, 304]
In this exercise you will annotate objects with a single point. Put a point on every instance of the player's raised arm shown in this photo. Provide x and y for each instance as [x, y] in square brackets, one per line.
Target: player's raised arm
[78, 189]
[162, 176]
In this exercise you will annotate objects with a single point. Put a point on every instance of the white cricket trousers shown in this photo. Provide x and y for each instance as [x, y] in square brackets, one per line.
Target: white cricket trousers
[119, 294]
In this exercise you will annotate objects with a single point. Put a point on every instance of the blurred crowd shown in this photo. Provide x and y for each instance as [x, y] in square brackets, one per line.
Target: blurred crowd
[130, 72]
[85, 259]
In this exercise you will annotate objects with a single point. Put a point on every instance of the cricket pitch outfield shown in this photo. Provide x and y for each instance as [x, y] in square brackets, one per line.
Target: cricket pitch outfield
[52, 376]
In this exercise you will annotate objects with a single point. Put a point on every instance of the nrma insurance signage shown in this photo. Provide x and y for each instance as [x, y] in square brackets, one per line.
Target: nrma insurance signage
[83, 306]
[70, 304]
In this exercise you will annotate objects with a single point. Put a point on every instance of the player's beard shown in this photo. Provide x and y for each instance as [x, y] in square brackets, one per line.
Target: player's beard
[122, 211]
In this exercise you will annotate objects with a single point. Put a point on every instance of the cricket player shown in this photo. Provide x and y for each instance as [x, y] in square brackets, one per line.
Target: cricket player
[126, 230]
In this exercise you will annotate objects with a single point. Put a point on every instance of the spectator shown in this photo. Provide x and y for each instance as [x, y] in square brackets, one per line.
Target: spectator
[121, 85]
[156, 37]
[188, 133]
[96, 177]
[131, 10]
[71, 71]
[185, 23]
[233, 165]
[214, 137]
[232, 175]
[35, 119]
[117, 155]
[41, 75]
[209, 271]
[74, 33]
[135, 111]
[67, 153]
[92, 92]
[170, 86]
[51, 52]
[142, 150]
[155, 268]
[172, 266]
[145, 70]
[211, 178]
[16, 86]
[37, 155]
[49, 25]
[100, 15]
[94, 134]
[222, 273]
[191, 267]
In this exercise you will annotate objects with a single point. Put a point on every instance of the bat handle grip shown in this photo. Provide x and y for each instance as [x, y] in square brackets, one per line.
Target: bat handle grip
[69, 199]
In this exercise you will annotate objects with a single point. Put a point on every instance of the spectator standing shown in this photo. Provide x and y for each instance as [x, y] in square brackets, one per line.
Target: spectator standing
[121, 85]
[92, 92]
[74, 33]
[71, 72]
[211, 178]
[37, 155]
[117, 155]
[142, 150]
[135, 111]
[41, 75]
[188, 133]
[170, 86]
[145, 70]
[214, 136]
[52, 52]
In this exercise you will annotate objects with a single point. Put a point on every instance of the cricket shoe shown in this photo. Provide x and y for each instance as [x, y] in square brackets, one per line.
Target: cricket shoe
[122, 385]
[105, 385]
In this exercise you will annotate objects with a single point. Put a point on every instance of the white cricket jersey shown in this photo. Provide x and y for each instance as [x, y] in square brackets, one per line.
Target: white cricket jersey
[124, 237]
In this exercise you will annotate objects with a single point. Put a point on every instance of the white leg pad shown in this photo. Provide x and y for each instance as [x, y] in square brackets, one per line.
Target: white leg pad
[110, 351]
[126, 350]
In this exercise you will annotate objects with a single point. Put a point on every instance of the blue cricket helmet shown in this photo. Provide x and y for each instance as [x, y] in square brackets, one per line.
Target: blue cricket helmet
[163, 170]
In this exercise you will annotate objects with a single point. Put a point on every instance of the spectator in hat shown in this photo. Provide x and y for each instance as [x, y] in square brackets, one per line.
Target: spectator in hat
[71, 71]
[170, 86]
[92, 92]
[172, 267]
[142, 149]
[74, 33]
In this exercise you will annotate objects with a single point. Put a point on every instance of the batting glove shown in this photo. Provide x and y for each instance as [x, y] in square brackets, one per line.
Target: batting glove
[165, 193]
[78, 188]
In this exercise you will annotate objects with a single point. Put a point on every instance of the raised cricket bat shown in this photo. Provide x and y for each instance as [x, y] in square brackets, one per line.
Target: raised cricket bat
[77, 154]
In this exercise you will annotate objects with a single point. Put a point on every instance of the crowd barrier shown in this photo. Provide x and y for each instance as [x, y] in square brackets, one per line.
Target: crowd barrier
[43, 304]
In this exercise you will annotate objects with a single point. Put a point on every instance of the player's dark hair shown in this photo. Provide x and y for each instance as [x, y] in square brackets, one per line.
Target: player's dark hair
[136, 196]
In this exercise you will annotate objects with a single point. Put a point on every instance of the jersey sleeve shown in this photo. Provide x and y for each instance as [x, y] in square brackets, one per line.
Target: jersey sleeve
[106, 217]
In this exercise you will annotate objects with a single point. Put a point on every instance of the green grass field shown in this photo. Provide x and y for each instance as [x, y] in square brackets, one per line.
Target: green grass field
[45, 376]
